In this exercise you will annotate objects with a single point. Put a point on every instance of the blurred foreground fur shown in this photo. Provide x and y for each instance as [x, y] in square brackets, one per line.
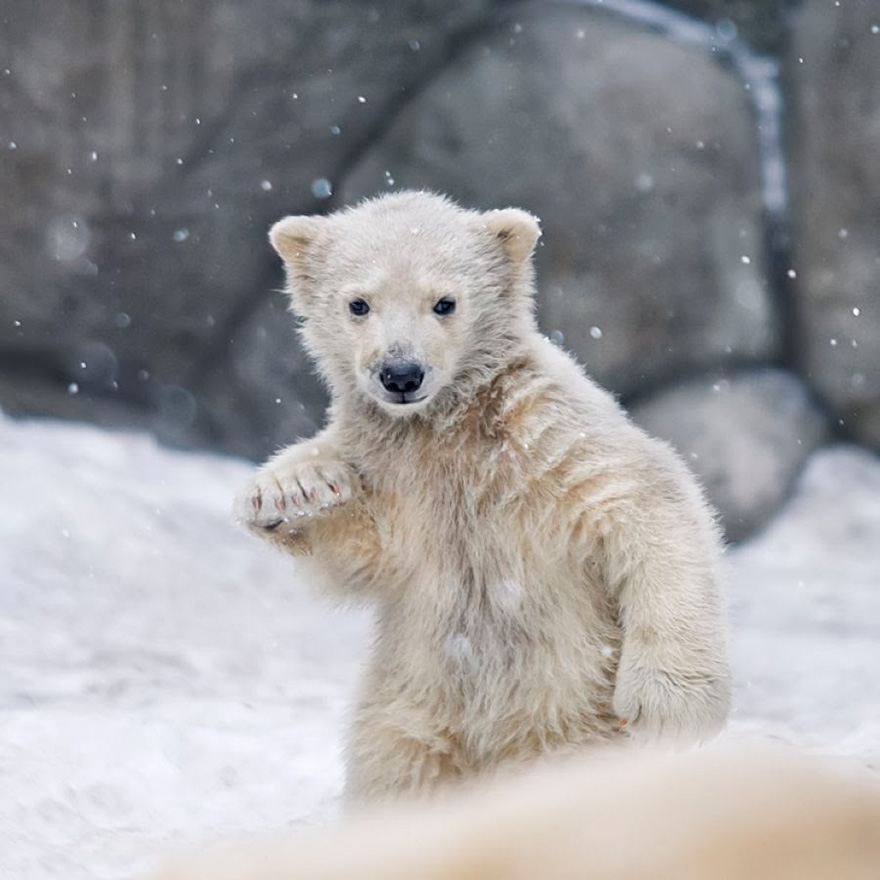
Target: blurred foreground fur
[718, 814]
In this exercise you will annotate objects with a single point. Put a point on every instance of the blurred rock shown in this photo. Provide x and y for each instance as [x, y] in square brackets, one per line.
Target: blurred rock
[644, 173]
[833, 71]
[146, 148]
[745, 436]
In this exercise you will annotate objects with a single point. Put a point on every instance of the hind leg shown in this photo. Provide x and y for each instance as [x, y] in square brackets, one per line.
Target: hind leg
[387, 761]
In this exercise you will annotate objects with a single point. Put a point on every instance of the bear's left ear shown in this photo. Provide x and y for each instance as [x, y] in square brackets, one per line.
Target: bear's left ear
[515, 230]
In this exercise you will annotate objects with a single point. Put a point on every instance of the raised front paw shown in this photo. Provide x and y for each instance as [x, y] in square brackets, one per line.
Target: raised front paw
[674, 702]
[290, 493]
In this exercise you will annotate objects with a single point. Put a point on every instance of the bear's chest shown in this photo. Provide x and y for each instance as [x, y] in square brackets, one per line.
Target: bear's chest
[461, 503]
[449, 529]
[471, 570]
[473, 545]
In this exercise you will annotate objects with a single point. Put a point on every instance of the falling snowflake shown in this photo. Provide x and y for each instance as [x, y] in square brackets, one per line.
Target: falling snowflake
[322, 188]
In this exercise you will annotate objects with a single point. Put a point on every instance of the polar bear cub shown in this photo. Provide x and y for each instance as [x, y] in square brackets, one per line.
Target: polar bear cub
[546, 576]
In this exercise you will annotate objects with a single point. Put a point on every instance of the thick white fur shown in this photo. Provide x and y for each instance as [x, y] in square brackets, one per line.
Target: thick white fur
[701, 815]
[545, 574]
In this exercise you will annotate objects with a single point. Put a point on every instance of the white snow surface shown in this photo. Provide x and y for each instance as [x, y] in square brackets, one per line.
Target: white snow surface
[166, 679]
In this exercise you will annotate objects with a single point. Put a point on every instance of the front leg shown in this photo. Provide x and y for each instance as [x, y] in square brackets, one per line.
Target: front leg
[309, 502]
[662, 561]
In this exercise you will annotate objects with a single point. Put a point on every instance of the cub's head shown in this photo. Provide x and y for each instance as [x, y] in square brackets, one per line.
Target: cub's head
[407, 297]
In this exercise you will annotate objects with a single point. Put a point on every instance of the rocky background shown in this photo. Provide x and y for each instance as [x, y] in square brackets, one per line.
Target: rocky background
[706, 173]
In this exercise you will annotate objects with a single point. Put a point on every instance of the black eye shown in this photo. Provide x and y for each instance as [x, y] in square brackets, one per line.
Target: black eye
[444, 306]
[358, 307]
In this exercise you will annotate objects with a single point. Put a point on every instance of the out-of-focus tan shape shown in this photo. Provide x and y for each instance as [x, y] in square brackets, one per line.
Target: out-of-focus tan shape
[715, 814]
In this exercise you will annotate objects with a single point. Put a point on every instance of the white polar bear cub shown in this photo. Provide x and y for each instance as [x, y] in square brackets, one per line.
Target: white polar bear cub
[545, 574]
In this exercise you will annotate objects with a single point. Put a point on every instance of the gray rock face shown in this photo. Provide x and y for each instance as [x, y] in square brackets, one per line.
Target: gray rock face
[645, 176]
[146, 148]
[834, 71]
[745, 436]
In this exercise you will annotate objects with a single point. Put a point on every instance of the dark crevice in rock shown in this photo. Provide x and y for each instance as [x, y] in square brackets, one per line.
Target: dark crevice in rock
[729, 368]
[41, 364]
[719, 369]
[777, 236]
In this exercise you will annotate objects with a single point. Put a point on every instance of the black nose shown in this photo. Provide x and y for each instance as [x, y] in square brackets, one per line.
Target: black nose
[402, 376]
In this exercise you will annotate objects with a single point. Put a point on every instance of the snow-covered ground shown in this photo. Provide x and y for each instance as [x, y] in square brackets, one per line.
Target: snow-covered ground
[165, 678]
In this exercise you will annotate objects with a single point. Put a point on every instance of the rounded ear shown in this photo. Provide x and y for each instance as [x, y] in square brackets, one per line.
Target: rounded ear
[293, 237]
[517, 231]
[294, 240]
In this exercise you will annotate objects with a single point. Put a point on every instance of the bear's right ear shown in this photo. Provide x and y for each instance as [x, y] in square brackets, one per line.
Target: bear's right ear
[293, 239]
